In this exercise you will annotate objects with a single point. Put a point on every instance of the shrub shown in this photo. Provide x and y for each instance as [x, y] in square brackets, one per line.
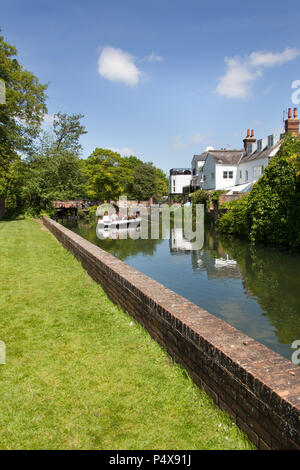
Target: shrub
[234, 222]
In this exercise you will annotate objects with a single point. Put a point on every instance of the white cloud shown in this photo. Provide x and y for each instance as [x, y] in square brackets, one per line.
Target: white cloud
[177, 143]
[269, 59]
[118, 66]
[153, 57]
[241, 72]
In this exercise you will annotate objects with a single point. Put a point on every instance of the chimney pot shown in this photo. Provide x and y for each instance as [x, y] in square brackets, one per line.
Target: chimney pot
[248, 132]
[291, 125]
[252, 133]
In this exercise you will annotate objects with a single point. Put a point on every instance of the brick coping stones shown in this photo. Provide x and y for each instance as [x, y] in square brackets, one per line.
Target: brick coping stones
[257, 387]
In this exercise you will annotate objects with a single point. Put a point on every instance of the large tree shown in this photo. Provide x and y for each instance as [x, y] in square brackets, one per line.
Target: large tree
[144, 182]
[22, 112]
[52, 171]
[68, 130]
[107, 175]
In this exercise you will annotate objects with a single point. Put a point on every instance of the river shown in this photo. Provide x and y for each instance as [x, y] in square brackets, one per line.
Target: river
[253, 288]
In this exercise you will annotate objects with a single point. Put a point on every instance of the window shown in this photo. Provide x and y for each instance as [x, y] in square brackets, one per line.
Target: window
[270, 140]
[246, 175]
[204, 177]
[173, 186]
[225, 174]
[230, 174]
[258, 171]
[259, 145]
[212, 176]
[241, 176]
[194, 171]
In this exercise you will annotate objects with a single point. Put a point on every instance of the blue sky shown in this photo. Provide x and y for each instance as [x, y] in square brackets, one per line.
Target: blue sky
[161, 79]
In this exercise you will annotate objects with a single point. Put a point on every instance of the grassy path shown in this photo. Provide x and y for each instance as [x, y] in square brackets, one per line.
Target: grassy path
[80, 374]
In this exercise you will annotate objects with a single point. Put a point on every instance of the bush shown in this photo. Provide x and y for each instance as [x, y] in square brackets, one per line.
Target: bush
[234, 222]
[200, 197]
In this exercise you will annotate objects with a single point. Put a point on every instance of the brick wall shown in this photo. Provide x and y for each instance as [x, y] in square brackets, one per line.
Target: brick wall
[258, 388]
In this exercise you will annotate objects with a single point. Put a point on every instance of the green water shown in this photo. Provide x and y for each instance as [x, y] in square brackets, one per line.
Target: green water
[255, 289]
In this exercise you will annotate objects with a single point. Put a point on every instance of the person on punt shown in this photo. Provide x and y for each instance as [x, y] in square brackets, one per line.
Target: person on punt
[115, 216]
[106, 218]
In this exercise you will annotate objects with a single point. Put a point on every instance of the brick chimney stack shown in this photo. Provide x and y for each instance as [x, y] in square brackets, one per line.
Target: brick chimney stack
[291, 124]
[250, 139]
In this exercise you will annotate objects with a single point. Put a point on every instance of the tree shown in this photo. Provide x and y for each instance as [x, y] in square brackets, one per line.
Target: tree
[107, 176]
[22, 113]
[68, 130]
[162, 184]
[58, 176]
[52, 171]
[143, 186]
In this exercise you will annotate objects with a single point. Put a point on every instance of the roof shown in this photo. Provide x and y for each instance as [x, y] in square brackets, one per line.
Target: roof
[226, 157]
[240, 188]
[180, 169]
[264, 153]
[201, 157]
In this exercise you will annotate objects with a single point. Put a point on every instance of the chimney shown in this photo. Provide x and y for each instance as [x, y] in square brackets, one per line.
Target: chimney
[250, 139]
[291, 124]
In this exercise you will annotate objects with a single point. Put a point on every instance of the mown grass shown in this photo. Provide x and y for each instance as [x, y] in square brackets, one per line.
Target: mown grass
[80, 374]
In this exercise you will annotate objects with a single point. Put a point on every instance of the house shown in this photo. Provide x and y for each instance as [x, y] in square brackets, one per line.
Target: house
[179, 177]
[197, 167]
[237, 170]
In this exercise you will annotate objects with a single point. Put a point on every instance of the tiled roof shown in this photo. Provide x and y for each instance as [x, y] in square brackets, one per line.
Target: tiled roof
[265, 152]
[201, 157]
[226, 157]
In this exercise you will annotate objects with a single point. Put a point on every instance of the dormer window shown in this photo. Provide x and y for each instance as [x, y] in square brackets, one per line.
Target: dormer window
[259, 145]
[249, 149]
[270, 140]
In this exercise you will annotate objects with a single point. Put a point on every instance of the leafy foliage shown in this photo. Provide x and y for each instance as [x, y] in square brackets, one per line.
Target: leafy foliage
[200, 197]
[109, 175]
[21, 115]
[271, 211]
[106, 176]
[234, 221]
[53, 172]
[68, 130]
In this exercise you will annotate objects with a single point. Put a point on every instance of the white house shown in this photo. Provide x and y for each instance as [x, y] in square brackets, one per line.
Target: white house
[237, 170]
[220, 169]
[179, 177]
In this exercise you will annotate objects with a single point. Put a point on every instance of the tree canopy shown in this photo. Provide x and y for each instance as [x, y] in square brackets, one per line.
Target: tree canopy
[22, 112]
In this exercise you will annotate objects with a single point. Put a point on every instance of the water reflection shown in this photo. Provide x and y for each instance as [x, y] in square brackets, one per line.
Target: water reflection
[255, 289]
[113, 240]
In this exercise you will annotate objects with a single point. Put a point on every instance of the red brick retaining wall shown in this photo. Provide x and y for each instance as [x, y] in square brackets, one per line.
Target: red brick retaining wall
[258, 388]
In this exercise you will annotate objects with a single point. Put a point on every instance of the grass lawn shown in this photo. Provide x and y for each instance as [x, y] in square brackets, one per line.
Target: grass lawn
[79, 372]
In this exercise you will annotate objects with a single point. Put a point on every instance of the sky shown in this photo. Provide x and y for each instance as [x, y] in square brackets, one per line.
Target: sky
[161, 79]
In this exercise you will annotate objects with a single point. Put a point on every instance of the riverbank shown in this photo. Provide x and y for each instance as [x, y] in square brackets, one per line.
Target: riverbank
[79, 373]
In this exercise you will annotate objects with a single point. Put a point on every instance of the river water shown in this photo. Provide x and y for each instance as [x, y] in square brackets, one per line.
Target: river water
[255, 289]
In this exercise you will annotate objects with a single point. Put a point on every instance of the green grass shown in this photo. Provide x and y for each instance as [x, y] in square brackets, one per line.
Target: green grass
[79, 373]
